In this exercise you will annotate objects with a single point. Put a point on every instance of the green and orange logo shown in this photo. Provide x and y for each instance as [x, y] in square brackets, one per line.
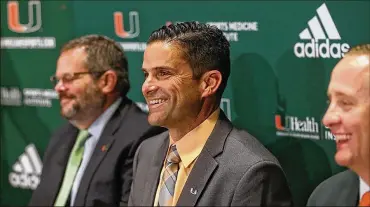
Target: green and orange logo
[119, 26]
[14, 17]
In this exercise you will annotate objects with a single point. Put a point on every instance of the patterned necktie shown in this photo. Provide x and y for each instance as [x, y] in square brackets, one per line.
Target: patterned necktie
[365, 200]
[72, 167]
[169, 177]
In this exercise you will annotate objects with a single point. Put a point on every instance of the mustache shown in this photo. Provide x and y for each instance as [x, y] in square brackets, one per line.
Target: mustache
[61, 96]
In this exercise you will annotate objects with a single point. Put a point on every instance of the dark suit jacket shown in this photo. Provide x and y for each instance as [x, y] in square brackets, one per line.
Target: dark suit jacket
[341, 189]
[233, 169]
[108, 176]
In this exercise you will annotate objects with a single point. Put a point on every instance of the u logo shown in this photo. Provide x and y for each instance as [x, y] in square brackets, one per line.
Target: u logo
[13, 17]
[119, 25]
[278, 122]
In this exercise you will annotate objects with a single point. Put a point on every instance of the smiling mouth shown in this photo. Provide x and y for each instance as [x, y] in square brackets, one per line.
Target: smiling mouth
[156, 103]
[342, 140]
[65, 100]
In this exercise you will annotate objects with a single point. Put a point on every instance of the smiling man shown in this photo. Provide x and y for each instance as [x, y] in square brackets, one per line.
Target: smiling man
[202, 160]
[348, 118]
[89, 160]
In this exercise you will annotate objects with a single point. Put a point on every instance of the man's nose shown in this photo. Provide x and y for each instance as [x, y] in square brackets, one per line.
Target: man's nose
[149, 86]
[331, 118]
[59, 86]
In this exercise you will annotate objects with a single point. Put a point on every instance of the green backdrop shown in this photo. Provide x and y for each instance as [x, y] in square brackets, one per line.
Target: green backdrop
[282, 54]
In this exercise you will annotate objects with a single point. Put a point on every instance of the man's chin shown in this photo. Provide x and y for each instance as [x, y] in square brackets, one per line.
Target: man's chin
[155, 120]
[155, 123]
[68, 114]
[343, 158]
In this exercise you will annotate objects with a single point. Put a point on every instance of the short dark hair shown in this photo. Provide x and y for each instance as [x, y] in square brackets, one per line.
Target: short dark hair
[204, 47]
[103, 54]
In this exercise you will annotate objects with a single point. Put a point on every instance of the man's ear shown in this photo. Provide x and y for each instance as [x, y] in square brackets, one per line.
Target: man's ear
[211, 81]
[108, 81]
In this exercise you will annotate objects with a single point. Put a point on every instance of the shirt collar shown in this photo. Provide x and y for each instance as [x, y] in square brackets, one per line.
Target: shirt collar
[96, 128]
[364, 187]
[190, 146]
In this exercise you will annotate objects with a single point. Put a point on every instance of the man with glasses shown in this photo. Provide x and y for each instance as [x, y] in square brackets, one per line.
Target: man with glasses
[89, 160]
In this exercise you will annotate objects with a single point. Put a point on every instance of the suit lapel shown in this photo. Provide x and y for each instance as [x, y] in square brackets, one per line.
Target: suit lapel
[154, 171]
[197, 180]
[105, 143]
[205, 164]
[57, 168]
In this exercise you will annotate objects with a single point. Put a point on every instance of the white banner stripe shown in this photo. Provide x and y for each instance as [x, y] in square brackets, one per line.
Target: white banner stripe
[316, 29]
[305, 35]
[328, 23]
[26, 163]
[37, 163]
[17, 167]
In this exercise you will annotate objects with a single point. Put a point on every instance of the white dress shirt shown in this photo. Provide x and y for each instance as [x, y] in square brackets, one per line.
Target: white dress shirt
[364, 187]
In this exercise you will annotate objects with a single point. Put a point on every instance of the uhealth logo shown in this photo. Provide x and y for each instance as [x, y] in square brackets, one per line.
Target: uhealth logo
[324, 38]
[292, 126]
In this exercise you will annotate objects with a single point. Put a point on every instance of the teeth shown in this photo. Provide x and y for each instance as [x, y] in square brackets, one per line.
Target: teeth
[342, 137]
[156, 101]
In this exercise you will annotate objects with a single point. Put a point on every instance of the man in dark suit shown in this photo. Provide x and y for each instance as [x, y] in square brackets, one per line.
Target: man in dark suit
[348, 118]
[89, 160]
[202, 159]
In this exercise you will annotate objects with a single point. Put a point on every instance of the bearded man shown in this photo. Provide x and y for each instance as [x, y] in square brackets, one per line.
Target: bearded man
[89, 160]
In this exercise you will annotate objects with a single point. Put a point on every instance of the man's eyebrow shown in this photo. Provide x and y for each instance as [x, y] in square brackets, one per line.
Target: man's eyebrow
[158, 68]
[339, 94]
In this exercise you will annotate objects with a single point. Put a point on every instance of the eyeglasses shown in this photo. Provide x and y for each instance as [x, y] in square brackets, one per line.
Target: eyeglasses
[70, 77]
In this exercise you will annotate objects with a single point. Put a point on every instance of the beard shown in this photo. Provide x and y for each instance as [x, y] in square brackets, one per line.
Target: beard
[89, 103]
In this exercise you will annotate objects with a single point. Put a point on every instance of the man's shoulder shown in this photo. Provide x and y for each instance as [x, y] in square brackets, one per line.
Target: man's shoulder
[236, 142]
[59, 135]
[329, 190]
[245, 145]
[337, 181]
[62, 129]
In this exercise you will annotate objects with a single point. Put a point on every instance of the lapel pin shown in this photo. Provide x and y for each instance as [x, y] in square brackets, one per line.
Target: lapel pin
[104, 148]
[193, 191]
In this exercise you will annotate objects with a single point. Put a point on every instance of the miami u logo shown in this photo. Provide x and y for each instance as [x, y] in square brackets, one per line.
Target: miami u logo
[278, 123]
[13, 17]
[119, 25]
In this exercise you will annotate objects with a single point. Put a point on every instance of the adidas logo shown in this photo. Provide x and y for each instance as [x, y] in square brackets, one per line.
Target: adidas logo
[320, 35]
[27, 170]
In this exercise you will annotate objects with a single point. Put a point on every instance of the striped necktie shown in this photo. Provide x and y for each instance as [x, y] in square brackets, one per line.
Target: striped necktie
[74, 161]
[169, 177]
